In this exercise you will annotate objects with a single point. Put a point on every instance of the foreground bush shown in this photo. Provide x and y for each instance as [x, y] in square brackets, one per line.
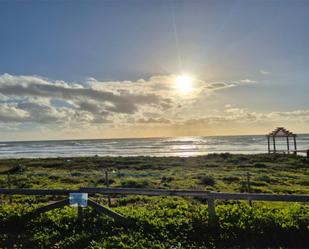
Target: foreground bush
[159, 223]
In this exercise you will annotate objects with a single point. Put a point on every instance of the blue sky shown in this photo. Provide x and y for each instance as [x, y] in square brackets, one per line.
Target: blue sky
[263, 44]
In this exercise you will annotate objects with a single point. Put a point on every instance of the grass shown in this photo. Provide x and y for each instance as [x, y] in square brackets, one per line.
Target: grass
[226, 172]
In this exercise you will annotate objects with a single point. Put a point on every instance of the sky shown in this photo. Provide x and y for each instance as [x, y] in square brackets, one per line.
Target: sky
[136, 68]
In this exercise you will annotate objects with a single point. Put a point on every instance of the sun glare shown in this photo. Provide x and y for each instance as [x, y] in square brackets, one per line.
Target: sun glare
[184, 84]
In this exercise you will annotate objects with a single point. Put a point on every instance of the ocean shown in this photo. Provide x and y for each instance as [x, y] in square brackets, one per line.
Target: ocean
[174, 146]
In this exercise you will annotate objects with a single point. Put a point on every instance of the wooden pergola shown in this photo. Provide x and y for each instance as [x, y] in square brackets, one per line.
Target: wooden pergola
[281, 132]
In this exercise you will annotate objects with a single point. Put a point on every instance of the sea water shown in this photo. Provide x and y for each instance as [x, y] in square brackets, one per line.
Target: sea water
[173, 146]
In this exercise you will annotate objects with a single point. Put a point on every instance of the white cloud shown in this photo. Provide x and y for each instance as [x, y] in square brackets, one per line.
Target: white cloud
[264, 72]
[58, 101]
[95, 103]
[242, 115]
[247, 81]
[11, 113]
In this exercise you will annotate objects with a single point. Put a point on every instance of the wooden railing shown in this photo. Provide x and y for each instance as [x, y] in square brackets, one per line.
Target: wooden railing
[161, 192]
[210, 196]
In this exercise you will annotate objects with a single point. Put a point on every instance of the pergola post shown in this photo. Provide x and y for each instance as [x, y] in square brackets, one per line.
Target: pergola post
[268, 142]
[288, 145]
[295, 146]
[274, 142]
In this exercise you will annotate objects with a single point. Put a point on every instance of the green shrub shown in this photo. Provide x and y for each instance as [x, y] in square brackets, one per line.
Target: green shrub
[258, 183]
[264, 178]
[131, 183]
[102, 181]
[166, 179]
[259, 165]
[207, 180]
[70, 180]
[158, 222]
[304, 182]
[54, 177]
[230, 179]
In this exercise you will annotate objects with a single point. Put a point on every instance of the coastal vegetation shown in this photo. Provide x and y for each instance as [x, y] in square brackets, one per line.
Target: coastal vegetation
[158, 222]
[284, 174]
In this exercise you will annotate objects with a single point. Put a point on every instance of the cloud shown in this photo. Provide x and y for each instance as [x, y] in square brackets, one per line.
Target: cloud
[247, 81]
[57, 104]
[122, 102]
[243, 116]
[152, 106]
[218, 85]
[297, 116]
[36, 99]
[222, 85]
[10, 113]
[154, 121]
[264, 72]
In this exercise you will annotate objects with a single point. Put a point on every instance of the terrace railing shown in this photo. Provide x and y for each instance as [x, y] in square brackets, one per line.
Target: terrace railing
[209, 196]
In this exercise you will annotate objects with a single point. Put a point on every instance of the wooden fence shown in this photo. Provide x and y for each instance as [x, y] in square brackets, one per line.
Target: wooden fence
[209, 196]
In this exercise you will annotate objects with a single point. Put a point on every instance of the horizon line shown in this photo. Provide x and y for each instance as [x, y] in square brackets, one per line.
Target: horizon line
[127, 138]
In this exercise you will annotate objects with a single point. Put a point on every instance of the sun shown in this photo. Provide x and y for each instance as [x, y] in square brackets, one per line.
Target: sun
[184, 84]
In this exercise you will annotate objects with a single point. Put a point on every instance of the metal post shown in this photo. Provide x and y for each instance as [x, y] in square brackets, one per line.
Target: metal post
[288, 145]
[107, 185]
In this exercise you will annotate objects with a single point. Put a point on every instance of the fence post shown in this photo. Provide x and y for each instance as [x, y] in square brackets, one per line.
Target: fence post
[249, 186]
[107, 185]
[80, 214]
[9, 186]
[213, 221]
